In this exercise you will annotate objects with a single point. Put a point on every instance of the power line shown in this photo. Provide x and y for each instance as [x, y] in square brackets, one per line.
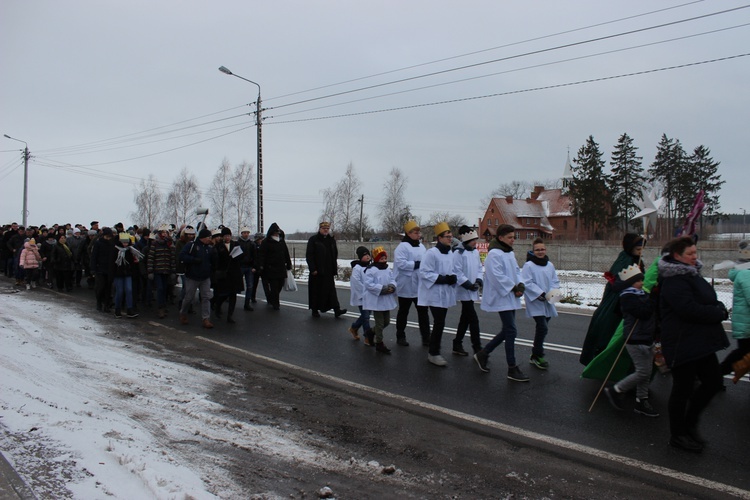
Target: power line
[522, 91]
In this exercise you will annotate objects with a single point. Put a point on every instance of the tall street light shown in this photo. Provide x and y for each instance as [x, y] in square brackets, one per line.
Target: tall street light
[259, 166]
[25, 213]
[743, 222]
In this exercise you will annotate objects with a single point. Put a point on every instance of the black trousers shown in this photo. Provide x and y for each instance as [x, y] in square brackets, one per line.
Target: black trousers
[438, 325]
[687, 401]
[423, 316]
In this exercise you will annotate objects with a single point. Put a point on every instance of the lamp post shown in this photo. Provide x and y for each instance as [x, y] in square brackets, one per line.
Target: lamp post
[259, 166]
[743, 222]
[25, 213]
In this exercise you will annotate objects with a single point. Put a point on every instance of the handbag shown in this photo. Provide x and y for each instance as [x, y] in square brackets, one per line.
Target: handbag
[290, 285]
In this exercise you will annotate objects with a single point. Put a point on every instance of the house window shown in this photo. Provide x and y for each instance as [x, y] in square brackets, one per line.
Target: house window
[518, 235]
[565, 225]
[497, 222]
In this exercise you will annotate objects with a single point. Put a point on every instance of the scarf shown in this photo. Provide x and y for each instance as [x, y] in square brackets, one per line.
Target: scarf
[414, 243]
[495, 243]
[443, 248]
[536, 260]
[121, 251]
[381, 265]
[67, 250]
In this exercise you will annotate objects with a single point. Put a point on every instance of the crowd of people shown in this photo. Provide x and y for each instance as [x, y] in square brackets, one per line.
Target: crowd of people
[669, 304]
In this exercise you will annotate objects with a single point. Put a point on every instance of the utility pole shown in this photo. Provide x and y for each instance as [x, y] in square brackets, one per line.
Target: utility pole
[26, 154]
[361, 201]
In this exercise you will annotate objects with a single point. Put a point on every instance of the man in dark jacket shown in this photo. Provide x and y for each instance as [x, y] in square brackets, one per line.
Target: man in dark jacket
[322, 262]
[247, 264]
[199, 259]
[273, 263]
[102, 256]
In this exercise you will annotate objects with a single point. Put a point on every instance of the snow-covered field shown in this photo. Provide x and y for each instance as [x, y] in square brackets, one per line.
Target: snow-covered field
[95, 417]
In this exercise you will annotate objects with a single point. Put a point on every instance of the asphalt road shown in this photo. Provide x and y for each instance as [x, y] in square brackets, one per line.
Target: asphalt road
[552, 409]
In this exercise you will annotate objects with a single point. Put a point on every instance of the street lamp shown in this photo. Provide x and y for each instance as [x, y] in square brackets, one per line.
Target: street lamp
[259, 166]
[25, 213]
[743, 222]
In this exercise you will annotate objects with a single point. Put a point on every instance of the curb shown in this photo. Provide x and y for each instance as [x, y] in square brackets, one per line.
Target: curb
[12, 486]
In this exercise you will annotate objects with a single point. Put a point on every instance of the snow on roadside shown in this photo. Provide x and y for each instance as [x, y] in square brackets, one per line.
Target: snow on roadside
[83, 415]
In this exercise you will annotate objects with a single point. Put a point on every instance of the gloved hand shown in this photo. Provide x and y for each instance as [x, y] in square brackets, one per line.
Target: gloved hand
[542, 297]
[451, 279]
[480, 282]
[416, 264]
[723, 308]
[467, 285]
[475, 287]
[519, 288]
[388, 289]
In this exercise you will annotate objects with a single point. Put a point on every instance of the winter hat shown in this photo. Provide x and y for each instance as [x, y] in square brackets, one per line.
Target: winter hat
[361, 252]
[324, 224]
[410, 226]
[630, 275]
[76, 231]
[630, 241]
[467, 234]
[205, 233]
[189, 230]
[32, 241]
[440, 228]
[124, 237]
[216, 232]
[258, 236]
[107, 231]
[92, 232]
[744, 250]
[244, 229]
[225, 231]
[377, 252]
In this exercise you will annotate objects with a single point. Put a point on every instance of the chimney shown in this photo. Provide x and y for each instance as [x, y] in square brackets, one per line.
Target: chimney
[537, 191]
[509, 199]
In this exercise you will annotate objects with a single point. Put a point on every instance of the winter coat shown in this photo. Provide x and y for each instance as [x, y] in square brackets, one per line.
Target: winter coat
[406, 261]
[501, 275]
[62, 257]
[273, 256]
[539, 277]
[77, 244]
[161, 257]
[102, 256]
[375, 280]
[468, 268]
[30, 257]
[437, 264]
[691, 315]
[199, 260]
[638, 314]
[247, 259]
[227, 278]
[357, 282]
[322, 255]
[179, 267]
[741, 303]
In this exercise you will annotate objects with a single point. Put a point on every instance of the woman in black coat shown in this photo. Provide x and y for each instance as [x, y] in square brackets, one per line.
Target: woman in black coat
[273, 262]
[691, 334]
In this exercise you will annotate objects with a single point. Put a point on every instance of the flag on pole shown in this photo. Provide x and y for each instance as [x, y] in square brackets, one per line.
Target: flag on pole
[688, 229]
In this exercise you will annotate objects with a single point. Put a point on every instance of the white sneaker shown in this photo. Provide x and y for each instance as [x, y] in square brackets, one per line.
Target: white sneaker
[437, 360]
[28, 286]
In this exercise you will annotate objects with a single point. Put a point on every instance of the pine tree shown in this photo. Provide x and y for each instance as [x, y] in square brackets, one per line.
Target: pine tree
[591, 200]
[668, 164]
[707, 179]
[626, 181]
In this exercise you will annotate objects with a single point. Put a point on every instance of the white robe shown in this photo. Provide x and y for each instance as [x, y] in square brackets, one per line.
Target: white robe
[501, 274]
[407, 278]
[429, 293]
[468, 268]
[539, 279]
[375, 280]
[357, 285]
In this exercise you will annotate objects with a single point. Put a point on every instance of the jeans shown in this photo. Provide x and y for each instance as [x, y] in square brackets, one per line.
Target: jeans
[123, 285]
[162, 282]
[423, 316]
[687, 402]
[438, 325]
[539, 335]
[205, 290]
[507, 334]
[382, 319]
[247, 274]
[470, 320]
[363, 320]
[643, 360]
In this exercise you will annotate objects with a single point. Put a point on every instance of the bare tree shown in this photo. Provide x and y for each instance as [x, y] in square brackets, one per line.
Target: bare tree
[454, 221]
[341, 204]
[393, 207]
[241, 195]
[219, 192]
[184, 198]
[149, 203]
[331, 207]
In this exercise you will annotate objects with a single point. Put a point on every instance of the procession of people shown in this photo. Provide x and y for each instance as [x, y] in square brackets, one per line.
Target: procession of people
[670, 304]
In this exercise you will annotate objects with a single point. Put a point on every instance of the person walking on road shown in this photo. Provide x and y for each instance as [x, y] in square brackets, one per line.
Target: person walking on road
[273, 264]
[503, 288]
[199, 258]
[406, 261]
[740, 313]
[540, 278]
[380, 298]
[357, 287]
[322, 262]
[691, 335]
[247, 264]
[102, 256]
[228, 274]
[469, 271]
[437, 288]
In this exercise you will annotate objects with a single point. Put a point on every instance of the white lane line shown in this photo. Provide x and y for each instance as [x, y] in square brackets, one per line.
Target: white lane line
[542, 438]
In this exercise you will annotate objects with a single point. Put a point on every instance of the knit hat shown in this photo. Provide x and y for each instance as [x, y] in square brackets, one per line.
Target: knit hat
[361, 252]
[258, 236]
[744, 249]
[467, 234]
[630, 241]
[189, 230]
[377, 252]
[76, 231]
[440, 228]
[630, 275]
[124, 237]
[32, 241]
[216, 232]
[244, 229]
[205, 233]
[107, 231]
[225, 231]
[410, 226]
[92, 232]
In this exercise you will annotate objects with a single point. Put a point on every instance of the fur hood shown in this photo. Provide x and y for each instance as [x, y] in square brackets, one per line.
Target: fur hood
[669, 267]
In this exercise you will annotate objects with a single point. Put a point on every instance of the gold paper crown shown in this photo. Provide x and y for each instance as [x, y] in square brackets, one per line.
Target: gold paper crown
[629, 272]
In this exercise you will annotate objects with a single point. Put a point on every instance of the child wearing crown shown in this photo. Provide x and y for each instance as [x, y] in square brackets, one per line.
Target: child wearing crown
[639, 325]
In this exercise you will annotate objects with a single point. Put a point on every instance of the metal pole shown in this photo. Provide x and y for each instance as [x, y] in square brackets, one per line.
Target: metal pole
[361, 201]
[26, 155]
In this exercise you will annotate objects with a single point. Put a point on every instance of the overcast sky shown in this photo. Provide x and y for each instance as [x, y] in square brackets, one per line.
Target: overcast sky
[99, 90]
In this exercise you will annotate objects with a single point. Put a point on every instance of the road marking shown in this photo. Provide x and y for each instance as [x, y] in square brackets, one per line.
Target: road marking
[542, 438]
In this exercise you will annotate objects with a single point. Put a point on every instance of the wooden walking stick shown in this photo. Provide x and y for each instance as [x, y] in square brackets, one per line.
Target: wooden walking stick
[606, 379]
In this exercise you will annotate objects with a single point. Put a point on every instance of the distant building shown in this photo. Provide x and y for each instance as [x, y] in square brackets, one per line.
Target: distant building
[546, 213]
